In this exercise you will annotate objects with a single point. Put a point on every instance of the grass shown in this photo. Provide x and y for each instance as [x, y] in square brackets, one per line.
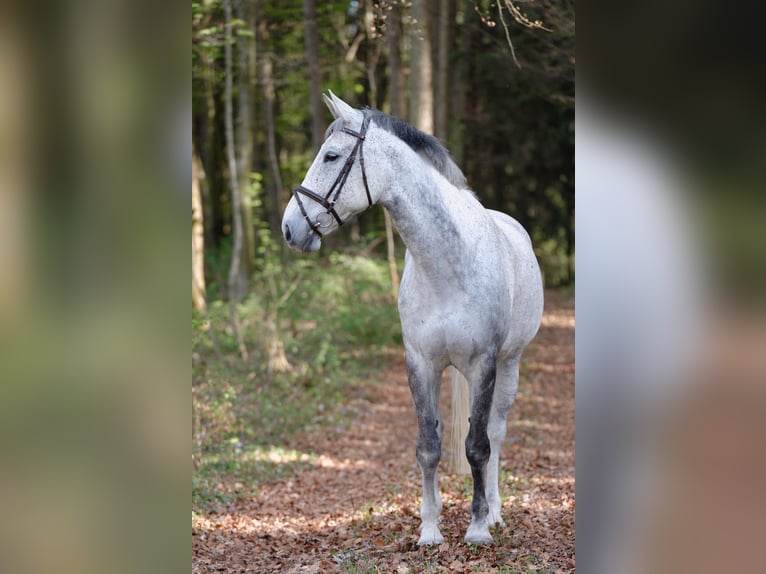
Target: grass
[221, 478]
[337, 324]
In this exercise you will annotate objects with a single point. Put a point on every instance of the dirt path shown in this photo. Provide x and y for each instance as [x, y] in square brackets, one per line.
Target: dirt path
[356, 509]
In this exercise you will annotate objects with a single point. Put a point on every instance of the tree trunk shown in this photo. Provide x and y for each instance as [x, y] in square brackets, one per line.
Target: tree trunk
[372, 55]
[237, 287]
[199, 300]
[208, 152]
[460, 84]
[396, 77]
[246, 87]
[198, 233]
[421, 75]
[275, 352]
[315, 78]
[445, 17]
[269, 99]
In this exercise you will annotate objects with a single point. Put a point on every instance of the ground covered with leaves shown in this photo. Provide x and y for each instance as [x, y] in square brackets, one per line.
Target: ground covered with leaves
[349, 499]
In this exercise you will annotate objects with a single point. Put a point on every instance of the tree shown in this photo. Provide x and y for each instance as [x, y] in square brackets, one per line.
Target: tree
[446, 15]
[267, 82]
[198, 233]
[246, 90]
[449, 70]
[315, 81]
[395, 73]
[237, 281]
[421, 75]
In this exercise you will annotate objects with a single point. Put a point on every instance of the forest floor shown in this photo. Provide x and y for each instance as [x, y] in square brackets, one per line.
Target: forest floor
[355, 507]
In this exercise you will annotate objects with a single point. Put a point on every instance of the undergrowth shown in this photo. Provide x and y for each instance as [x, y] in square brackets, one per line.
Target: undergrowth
[337, 323]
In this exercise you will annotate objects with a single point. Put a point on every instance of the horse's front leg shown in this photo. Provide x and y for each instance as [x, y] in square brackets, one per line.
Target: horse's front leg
[425, 380]
[477, 446]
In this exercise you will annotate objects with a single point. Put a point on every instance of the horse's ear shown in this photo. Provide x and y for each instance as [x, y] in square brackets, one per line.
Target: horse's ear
[330, 105]
[338, 107]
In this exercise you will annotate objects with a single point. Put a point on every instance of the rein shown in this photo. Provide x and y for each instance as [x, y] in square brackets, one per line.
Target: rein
[328, 201]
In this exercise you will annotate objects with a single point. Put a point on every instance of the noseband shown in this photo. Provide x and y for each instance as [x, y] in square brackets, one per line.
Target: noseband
[328, 201]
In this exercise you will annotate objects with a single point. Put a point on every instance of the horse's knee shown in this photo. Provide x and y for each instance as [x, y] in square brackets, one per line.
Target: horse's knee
[428, 451]
[477, 449]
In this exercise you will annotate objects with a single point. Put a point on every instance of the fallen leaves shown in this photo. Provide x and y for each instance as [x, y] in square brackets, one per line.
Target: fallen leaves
[356, 508]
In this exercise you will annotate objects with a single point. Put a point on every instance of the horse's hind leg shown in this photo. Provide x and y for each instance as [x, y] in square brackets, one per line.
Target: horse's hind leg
[506, 385]
[477, 446]
[425, 380]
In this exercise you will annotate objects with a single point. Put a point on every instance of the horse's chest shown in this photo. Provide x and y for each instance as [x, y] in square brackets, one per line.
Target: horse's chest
[450, 312]
[448, 326]
[467, 298]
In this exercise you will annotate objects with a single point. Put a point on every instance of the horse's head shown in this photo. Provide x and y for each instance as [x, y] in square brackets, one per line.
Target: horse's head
[335, 187]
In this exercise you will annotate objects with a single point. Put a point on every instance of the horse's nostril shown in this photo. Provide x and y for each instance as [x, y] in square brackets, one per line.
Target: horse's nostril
[288, 235]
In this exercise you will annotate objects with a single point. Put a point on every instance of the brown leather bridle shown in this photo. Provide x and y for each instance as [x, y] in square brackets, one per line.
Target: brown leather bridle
[329, 200]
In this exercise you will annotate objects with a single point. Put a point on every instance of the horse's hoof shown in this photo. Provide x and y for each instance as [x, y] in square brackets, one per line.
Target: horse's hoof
[430, 535]
[478, 535]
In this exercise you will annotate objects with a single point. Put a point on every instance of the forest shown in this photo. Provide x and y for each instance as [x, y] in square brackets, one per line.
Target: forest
[288, 349]
[492, 82]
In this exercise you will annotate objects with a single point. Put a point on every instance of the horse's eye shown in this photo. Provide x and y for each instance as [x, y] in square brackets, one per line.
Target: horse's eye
[330, 156]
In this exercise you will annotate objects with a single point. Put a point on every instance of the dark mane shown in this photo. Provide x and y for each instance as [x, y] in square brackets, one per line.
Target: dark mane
[427, 146]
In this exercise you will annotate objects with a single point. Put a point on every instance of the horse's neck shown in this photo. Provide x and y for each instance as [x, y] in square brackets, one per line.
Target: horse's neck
[424, 219]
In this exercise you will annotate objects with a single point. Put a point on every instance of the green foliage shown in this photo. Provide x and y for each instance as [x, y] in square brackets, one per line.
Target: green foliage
[235, 472]
[511, 128]
[337, 323]
[555, 262]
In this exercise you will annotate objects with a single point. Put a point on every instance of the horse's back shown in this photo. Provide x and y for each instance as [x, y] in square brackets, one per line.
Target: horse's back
[527, 288]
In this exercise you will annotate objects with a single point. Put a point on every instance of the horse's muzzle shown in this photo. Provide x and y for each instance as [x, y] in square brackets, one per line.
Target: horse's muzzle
[299, 238]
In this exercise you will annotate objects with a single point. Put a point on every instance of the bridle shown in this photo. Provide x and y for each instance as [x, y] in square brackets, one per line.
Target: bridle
[328, 201]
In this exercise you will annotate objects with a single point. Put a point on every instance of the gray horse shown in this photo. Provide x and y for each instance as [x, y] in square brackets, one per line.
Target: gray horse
[471, 294]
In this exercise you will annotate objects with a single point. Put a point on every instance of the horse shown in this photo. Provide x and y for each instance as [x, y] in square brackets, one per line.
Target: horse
[471, 293]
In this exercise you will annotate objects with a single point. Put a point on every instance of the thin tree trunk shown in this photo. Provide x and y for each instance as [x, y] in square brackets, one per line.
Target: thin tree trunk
[269, 99]
[445, 15]
[421, 76]
[199, 300]
[235, 283]
[315, 79]
[276, 359]
[246, 87]
[373, 55]
[460, 84]
[198, 233]
[396, 78]
[208, 150]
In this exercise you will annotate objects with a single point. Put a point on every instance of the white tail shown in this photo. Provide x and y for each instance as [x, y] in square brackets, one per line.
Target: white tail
[461, 404]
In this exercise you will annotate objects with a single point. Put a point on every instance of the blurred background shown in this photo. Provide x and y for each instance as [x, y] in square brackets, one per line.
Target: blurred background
[670, 400]
[94, 175]
[101, 139]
